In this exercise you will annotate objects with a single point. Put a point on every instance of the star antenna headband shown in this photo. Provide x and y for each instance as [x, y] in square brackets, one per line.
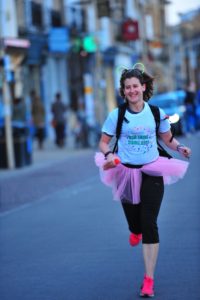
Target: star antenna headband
[141, 68]
[137, 65]
[121, 68]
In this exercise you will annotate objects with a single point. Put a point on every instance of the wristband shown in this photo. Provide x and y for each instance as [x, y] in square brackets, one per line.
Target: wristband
[107, 153]
[179, 146]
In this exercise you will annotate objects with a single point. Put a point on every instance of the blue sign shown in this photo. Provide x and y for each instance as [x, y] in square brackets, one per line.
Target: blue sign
[109, 55]
[9, 74]
[58, 41]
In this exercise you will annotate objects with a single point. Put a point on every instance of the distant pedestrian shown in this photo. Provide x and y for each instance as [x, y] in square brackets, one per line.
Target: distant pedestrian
[137, 172]
[38, 117]
[1, 111]
[190, 113]
[59, 120]
[198, 110]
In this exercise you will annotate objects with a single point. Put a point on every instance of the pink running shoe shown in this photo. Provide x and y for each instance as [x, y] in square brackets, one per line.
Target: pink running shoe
[147, 289]
[134, 239]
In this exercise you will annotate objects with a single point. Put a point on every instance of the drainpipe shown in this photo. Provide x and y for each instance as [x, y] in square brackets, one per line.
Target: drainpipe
[8, 125]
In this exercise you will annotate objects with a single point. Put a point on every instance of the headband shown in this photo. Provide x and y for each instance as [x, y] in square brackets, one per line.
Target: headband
[142, 67]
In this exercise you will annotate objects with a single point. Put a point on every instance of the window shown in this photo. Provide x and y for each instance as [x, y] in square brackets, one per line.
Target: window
[56, 19]
[20, 8]
[36, 11]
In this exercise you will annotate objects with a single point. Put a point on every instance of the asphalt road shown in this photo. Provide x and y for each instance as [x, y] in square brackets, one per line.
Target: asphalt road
[63, 238]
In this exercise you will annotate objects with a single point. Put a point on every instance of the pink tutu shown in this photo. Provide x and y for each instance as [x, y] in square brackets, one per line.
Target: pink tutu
[126, 182]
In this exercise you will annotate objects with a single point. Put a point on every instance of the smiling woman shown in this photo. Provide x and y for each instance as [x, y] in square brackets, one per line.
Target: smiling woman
[138, 179]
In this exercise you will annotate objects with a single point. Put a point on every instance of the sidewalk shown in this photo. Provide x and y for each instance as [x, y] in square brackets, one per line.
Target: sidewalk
[44, 158]
[52, 170]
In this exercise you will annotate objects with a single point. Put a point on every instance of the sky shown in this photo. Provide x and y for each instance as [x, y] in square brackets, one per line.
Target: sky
[179, 6]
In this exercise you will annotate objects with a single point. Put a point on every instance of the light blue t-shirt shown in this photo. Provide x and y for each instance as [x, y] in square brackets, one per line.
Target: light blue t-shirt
[137, 143]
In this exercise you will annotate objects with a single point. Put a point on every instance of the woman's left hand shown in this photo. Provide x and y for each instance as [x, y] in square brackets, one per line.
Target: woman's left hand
[184, 151]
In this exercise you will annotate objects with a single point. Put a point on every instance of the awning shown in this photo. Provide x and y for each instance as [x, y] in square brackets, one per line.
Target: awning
[16, 43]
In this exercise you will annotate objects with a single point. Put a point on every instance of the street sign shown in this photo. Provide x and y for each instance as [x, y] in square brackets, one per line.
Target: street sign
[58, 40]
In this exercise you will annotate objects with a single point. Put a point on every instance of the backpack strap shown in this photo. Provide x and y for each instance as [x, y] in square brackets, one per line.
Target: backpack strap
[121, 113]
[156, 113]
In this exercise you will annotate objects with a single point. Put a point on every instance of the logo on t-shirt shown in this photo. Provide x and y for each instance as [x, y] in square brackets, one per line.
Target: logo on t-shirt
[139, 139]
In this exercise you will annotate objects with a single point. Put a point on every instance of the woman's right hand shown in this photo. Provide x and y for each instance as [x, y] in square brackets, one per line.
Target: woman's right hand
[111, 159]
[111, 162]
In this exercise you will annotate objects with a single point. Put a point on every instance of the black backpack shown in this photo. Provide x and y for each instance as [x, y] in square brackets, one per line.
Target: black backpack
[121, 118]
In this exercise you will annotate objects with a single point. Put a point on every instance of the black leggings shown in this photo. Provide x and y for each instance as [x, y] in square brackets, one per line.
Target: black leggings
[142, 217]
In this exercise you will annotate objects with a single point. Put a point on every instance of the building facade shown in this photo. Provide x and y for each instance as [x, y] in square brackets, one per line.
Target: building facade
[78, 48]
[185, 50]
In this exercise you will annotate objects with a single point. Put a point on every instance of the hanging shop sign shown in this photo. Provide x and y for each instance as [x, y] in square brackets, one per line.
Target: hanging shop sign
[155, 48]
[130, 30]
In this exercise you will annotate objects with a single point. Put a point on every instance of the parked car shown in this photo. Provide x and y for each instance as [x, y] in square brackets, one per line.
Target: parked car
[173, 105]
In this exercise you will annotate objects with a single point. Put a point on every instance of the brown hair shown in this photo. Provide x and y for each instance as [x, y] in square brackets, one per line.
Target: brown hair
[143, 77]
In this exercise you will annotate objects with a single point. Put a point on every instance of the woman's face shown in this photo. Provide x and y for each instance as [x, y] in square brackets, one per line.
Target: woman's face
[133, 90]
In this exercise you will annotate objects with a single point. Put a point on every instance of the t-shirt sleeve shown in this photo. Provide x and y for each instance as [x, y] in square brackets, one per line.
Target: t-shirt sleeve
[109, 126]
[164, 122]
